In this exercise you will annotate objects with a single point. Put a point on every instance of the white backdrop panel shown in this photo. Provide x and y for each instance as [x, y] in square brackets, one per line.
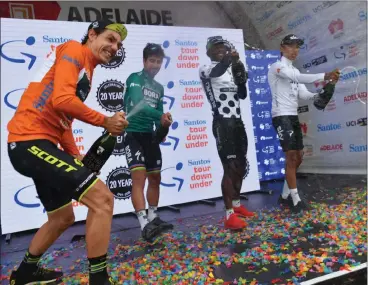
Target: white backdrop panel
[191, 167]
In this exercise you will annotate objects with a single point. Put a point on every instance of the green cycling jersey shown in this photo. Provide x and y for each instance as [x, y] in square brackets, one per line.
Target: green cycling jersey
[143, 102]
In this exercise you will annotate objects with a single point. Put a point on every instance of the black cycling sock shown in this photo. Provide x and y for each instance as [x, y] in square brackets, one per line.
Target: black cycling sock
[29, 262]
[98, 270]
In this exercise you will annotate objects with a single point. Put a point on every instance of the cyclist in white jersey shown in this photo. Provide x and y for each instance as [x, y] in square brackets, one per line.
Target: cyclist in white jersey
[287, 86]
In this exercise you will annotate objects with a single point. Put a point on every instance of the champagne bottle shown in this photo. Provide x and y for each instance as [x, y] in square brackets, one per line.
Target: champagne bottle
[161, 132]
[324, 97]
[100, 152]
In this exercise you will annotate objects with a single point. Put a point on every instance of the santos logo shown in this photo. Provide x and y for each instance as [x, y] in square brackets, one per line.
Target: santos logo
[329, 127]
[357, 148]
[353, 74]
[54, 40]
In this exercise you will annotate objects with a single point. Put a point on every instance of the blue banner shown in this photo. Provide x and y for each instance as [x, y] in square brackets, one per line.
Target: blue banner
[270, 157]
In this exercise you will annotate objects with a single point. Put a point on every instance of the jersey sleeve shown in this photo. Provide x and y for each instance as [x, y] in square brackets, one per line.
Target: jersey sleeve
[304, 93]
[215, 70]
[68, 143]
[136, 99]
[286, 72]
[69, 62]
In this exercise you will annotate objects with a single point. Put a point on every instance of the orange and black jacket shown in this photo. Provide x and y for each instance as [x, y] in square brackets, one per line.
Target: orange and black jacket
[55, 97]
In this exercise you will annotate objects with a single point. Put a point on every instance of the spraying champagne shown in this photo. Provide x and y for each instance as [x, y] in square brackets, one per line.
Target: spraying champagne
[103, 147]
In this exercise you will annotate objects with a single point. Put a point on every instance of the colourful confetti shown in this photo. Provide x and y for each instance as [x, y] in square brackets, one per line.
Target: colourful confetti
[325, 239]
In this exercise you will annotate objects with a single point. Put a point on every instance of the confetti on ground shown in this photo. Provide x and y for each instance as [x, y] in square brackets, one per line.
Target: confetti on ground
[277, 248]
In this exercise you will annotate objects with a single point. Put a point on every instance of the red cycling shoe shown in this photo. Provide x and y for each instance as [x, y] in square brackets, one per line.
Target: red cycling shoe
[243, 212]
[235, 223]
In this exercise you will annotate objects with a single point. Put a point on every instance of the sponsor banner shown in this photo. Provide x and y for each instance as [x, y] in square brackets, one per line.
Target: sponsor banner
[331, 40]
[271, 159]
[191, 168]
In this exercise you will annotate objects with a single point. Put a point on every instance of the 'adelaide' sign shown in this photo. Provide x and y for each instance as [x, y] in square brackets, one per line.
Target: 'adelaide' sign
[130, 16]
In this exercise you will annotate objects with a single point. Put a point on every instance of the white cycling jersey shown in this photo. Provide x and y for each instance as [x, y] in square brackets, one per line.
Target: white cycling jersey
[287, 86]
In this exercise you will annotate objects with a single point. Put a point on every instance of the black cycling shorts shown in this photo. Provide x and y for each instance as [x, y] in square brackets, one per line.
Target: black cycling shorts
[231, 139]
[58, 176]
[142, 152]
[289, 132]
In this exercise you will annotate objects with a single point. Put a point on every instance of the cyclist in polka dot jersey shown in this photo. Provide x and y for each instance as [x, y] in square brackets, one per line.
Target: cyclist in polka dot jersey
[228, 129]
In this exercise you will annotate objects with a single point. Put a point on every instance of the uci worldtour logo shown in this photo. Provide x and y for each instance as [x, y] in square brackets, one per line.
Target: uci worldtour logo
[7, 52]
[315, 62]
[360, 122]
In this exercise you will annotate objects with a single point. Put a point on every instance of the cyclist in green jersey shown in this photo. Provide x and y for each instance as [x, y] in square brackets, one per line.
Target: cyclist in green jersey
[143, 104]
